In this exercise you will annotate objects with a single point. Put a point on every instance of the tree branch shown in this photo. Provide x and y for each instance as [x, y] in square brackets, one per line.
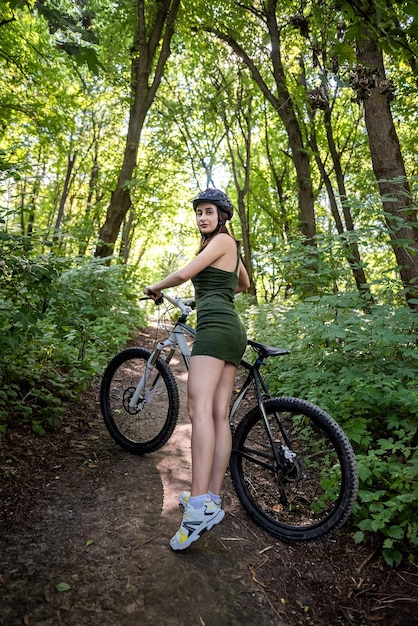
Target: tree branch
[240, 52]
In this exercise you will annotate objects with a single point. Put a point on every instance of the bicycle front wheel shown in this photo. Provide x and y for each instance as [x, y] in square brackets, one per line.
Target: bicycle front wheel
[310, 491]
[146, 426]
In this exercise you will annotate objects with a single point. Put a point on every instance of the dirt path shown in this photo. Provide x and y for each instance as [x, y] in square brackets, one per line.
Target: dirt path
[78, 510]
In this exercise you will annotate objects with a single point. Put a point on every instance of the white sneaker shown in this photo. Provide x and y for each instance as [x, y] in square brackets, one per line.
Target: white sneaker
[185, 495]
[195, 522]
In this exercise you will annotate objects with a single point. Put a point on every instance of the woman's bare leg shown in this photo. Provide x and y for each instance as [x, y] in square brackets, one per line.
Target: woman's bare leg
[223, 437]
[205, 373]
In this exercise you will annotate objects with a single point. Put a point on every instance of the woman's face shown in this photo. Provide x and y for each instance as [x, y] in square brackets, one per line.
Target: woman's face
[206, 217]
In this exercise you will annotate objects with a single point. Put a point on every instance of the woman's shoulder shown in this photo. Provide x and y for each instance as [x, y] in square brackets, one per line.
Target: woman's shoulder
[225, 240]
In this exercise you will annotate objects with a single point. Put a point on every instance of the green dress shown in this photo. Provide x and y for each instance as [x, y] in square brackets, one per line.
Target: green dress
[219, 331]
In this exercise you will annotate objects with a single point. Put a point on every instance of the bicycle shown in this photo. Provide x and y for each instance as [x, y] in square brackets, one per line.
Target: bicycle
[292, 466]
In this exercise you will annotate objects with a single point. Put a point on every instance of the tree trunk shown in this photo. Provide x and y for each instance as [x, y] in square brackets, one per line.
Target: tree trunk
[32, 206]
[70, 164]
[240, 157]
[150, 51]
[128, 231]
[351, 247]
[351, 250]
[284, 107]
[389, 168]
[278, 179]
[92, 197]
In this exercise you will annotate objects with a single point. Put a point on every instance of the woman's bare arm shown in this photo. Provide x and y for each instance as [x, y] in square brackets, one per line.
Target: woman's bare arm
[243, 278]
[218, 247]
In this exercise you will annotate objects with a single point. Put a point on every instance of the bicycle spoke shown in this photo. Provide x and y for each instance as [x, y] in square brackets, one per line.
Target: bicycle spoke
[313, 485]
[307, 500]
[144, 425]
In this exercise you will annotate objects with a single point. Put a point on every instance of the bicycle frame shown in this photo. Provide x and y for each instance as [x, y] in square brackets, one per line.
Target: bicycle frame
[262, 394]
[253, 375]
[177, 340]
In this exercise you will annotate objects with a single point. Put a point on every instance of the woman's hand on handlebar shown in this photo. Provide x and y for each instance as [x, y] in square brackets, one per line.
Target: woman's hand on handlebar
[154, 294]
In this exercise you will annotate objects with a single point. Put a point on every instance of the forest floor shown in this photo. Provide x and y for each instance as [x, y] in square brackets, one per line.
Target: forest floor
[77, 509]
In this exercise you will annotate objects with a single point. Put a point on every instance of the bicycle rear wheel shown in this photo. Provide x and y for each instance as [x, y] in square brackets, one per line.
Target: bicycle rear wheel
[315, 492]
[147, 426]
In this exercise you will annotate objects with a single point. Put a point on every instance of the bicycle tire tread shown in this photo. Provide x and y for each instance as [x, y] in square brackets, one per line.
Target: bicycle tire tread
[165, 433]
[336, 434]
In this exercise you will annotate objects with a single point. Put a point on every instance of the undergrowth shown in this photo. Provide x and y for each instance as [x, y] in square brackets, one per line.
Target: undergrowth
[362, 367]
[60, 321]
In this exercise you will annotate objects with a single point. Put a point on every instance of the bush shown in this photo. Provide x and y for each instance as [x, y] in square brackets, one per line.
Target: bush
[362, 367]
[60, 320]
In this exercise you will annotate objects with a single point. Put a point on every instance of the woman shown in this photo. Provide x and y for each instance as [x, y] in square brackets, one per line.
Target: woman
[217, 274]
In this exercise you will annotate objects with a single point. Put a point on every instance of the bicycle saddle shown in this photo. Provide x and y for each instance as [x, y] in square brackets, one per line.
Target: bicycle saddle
[265, 351]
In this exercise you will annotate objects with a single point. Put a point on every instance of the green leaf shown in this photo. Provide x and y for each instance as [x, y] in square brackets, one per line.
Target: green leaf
[37, 428]
[392, 557]
[62, 587]
[407, 497]
[395, 532]
[358, 536]
[364, 472]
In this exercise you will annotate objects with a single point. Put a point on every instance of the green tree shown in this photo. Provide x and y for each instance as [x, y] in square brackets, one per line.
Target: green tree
[377, 27]
[150, 51]
[324, 102]
[279, 96]
[388, 165]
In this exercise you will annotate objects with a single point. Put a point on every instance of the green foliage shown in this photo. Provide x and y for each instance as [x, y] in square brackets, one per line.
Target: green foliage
[60, 320]
[360, 363]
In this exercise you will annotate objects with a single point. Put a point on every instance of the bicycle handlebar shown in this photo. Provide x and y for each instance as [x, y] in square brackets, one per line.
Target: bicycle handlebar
[186, 307]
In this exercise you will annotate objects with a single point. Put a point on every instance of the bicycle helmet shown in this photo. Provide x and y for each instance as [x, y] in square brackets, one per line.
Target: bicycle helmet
[217, 197]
